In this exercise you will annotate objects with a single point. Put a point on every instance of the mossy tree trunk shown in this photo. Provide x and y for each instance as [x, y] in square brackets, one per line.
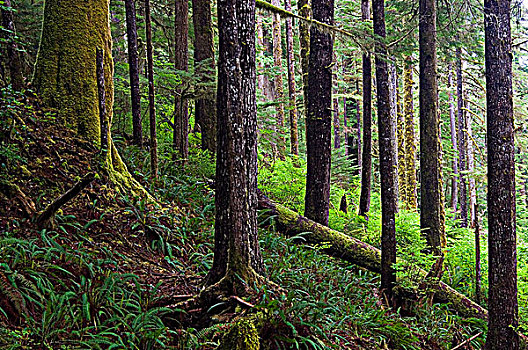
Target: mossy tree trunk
[135, 95]
[453, 129]
[366, 156]
[400, 136]
[204, 62]
[431, 201]
[502, 295]
[462, 142]
[319, 116]
[387, 155]
[294, 132]
[236, 253]
[181, 62]
[410, 144]
[65, 71]
[65, 74]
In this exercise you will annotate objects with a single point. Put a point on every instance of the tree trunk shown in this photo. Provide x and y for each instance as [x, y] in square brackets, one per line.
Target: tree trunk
[152, 106]
[431, 206]
[471, 166]
[410, 144]
[135, 95]
[357, 109]
[181, 61]
[305, 10]
[345, 247]
[366, 157]
[502, 297]
[335, 110]
[387, 156]
[67, 44]
[279, 86]
[236, 252]
[454, 183]
[400, 136]
[319, 118]
[14, 61]
[462, 142]
[204, 63]
[294, 132]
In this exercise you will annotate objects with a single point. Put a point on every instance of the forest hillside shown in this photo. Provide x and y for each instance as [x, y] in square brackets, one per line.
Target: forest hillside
[232, 174]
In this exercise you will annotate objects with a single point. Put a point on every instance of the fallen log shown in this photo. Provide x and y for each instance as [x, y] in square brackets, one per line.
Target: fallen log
[341, 246]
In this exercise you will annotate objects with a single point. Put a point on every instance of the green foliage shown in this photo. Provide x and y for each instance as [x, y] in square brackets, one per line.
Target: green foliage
[70, 298]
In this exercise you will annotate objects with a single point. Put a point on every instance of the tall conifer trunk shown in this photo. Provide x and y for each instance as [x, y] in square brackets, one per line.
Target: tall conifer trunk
[431, 201]
[152, 106]
[305, 10]
[67, 44]
[14, 59]
[453, 128]
[181, 54]
[294, 132]
[279, 85]
[135, 95]
[502, 294]
[387, 155]
[366, 157]
[236, 253]
[319, 118]
[410, 144]
[204, 61]
[462, 142]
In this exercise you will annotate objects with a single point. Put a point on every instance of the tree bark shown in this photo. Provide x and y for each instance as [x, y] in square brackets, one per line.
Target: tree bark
[366, 157]
[236, 252]
[305, 10]
[152, 106]
[319, 118]
[204, 61]
[471, 166]
[135, 95]
[279, 85]
[431, 206]
[387, 155]
[67, 44]
[454, 183]
[502, 295]
[101, 94]
[462, 142]
[294, 132]
[347, 248]
[181, 62]
[410, 144]
[14, 60]
[400, 136]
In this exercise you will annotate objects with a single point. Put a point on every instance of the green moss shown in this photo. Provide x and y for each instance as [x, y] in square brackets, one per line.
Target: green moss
[242, 336]
[65, 71]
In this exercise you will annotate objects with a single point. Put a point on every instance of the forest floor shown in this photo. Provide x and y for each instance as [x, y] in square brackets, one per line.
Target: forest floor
[111, 271]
